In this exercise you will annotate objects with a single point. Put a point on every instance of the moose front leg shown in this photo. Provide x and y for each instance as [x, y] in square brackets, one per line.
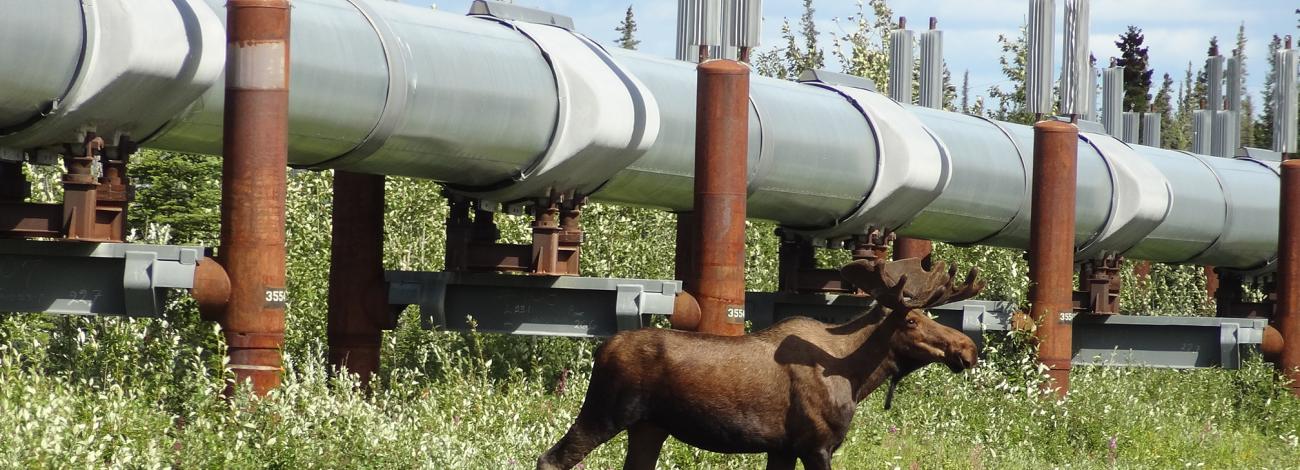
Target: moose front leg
[644, 441]
[819, 460]
[776, 461]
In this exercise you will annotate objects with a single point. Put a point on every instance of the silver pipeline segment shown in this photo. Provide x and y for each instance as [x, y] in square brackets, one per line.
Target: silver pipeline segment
[493, 106]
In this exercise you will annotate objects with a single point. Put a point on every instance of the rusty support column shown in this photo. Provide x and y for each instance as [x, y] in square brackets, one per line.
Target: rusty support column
[79, 188]
[905, 248]
[1287, 314]
[721, 149]
[546, 238]
[14, 186]
[1051, 246]
[358, 301]
[115, 190]
[1211, 282]
[253, 187]
[684, 257]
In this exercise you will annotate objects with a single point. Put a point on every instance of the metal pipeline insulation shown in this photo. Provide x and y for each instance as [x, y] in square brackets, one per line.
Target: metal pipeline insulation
[505, 111]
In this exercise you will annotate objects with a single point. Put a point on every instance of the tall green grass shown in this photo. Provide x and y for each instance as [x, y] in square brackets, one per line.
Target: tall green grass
[144, 393]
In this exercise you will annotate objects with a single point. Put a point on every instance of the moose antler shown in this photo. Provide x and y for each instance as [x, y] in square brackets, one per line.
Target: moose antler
[906, 284]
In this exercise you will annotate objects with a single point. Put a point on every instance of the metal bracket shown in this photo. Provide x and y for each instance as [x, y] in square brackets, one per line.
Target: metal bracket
[75, 278]
[511, 12]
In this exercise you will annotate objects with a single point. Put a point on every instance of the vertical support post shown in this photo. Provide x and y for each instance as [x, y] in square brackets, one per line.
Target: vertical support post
[14, 186]
[460, 231]
[1288, 289]
[114, 189]
[79, 188]
[546, 238]
[721, 150]
[905, 248]
[1051, 246]
[684, 257]
[253, 187]
[358, 301]
[1211, 282]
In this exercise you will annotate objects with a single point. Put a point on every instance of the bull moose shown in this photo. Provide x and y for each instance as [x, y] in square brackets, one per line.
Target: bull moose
[789, 391]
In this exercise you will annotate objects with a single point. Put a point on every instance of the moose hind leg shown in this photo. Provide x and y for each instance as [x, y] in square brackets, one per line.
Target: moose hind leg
[820, 460]
[644, 441]
[585, 435]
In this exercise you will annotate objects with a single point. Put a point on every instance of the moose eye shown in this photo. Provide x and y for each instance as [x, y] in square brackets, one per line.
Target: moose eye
[911, 322]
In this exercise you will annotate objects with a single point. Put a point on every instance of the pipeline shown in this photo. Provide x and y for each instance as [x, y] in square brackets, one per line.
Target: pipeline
[506, 111]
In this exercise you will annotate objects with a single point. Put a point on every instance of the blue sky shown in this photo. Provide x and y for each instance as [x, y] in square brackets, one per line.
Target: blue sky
[1177, 31]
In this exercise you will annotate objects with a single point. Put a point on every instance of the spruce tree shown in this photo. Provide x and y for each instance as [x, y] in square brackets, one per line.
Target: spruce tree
[1264, 126]
[1137, 73]
[628, 30]
[965, 91]
[1170, 135]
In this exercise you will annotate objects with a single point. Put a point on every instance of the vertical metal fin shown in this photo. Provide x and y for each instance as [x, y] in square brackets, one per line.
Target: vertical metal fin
[1130, 134]
[1075, 64]
[1202, 128]
[1224, 128]
[1233, 85]
[1112, 100]
[687, 26]
[1214, 80]
[746, 20]
[1285, 103]
[931, 93]
[901, 61]
[1092, 114]
[700, 22]
[1041, 35]
[1151, 129]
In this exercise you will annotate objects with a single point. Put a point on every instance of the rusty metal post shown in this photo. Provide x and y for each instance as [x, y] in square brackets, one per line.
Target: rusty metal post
[255, 140]
[905, 248]
[1051, 246]
[546, 238]
[1211, 282]
[358, 301]
[1287, 314]
[14, 186]
[721, 149]
[683, 258]
[79, 188]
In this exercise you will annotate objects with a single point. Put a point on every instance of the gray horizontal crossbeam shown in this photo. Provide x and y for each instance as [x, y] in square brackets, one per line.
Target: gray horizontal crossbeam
[77, 278]
[531, 305]
[1124, 340]
[597, 307]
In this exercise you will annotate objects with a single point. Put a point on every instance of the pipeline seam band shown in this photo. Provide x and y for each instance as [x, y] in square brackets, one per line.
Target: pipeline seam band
[1026, 170]
[861, 208]
[546, 172]
[1113, 173]
[1227, 213]
[394, 100]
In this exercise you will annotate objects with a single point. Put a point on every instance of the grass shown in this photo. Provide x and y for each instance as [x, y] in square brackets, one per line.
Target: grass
[501, 405]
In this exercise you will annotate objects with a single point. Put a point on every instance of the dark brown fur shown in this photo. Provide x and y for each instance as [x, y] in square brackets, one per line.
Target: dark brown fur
[789, 391]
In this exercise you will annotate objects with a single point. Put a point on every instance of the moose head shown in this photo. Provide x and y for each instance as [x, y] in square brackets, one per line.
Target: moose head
[903, 290]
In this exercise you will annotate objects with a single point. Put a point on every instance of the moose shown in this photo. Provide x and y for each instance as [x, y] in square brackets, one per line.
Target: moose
[789, 391]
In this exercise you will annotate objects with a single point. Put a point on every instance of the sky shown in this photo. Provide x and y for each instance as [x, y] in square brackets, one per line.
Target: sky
[1177, 31]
